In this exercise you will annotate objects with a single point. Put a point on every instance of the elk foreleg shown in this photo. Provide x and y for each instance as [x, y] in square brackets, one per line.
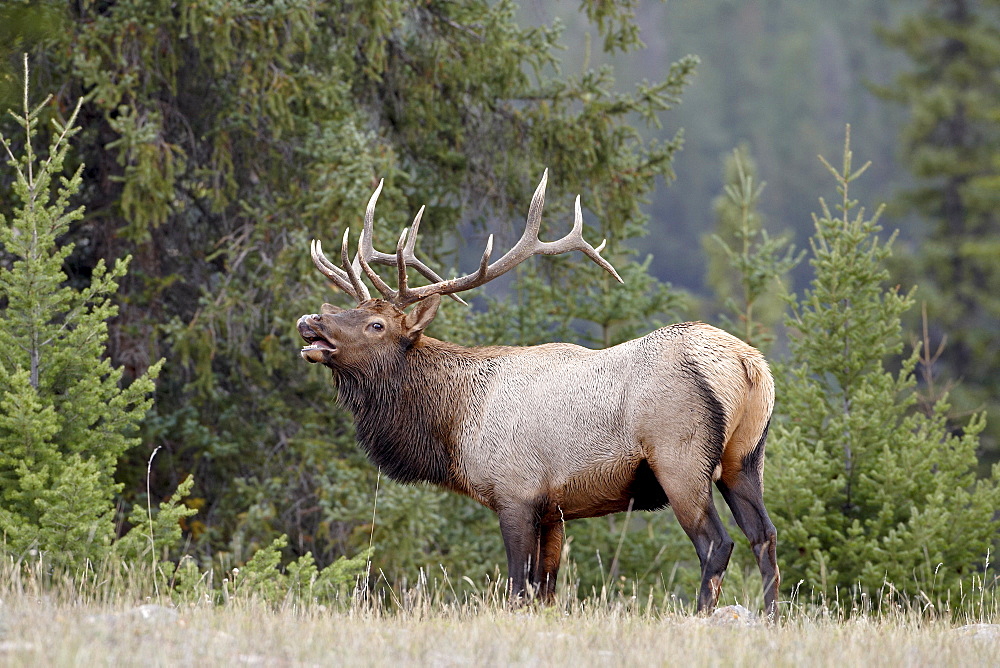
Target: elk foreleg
[520, 528]
[550, 542]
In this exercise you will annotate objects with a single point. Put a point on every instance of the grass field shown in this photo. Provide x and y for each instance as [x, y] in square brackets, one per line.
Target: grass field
[59, 625]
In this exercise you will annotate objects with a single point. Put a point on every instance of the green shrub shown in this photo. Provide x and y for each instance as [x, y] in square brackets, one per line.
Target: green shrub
[864, 489]
[65, 416]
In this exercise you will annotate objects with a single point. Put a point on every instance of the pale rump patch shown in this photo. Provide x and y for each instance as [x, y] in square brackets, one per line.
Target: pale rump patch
[740, 379]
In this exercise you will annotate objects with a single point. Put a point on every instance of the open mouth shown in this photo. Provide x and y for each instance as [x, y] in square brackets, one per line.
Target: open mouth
[318, 348]
[316, 342]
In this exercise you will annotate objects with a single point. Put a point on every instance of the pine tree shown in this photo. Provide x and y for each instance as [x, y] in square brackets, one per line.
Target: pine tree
[746, 266]
[65, 419]
[864, 489]
[952, 146]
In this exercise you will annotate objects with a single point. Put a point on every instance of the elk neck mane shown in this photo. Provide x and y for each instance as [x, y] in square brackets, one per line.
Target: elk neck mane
[407, 412]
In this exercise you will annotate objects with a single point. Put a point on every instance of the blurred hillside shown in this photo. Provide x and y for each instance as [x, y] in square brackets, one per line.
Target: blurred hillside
[781, 76]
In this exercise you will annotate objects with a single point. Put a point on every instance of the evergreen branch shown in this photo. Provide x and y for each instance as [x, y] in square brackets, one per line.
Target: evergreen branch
[64, 131]
[13, 160]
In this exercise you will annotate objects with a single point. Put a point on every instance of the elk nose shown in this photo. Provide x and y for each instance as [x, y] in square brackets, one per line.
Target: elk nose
[307, 322]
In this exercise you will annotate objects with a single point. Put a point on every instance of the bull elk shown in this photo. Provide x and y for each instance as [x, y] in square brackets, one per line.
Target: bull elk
[555, 432]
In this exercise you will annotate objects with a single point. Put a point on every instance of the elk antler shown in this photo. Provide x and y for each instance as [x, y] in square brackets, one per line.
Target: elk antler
[405, 255]
[529, 244]
[348, 280]
[345, 280]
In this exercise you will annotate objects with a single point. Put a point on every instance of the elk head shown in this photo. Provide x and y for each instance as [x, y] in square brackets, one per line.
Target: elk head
[363, 336]
[356, 337]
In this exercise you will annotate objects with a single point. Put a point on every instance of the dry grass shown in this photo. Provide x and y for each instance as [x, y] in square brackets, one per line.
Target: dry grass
[44, 633]
[64, 624]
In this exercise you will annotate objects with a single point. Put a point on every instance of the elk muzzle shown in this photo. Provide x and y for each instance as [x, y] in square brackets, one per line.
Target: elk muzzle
[319, 349]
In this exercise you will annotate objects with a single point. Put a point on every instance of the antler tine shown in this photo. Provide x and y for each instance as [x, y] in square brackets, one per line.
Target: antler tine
[361, 292]
[328, 269]
[367, 252]
[402, 279]
[484, 263]
[410, 248]
[376, 280]
[373, 256]
[410, 254]
[366, 233]
[365, 247]
[337, 275]
[576, 236]
[534, 221]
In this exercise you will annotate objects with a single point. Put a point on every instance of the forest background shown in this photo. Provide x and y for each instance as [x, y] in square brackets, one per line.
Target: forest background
[216, 138]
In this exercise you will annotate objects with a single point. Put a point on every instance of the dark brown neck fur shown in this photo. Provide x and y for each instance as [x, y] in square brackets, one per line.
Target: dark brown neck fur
[408, 415]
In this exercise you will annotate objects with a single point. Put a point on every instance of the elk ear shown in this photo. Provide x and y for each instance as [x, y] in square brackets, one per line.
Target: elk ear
[417, 320]
[330, 309]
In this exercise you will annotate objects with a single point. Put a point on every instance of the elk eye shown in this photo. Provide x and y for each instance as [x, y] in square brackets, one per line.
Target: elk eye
[377, 326]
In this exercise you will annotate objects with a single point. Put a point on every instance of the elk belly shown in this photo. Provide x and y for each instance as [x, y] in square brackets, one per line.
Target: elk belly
[596, 493]
[554, 422]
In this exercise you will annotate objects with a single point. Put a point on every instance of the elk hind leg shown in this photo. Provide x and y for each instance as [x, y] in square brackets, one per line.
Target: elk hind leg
[743, 492]
[691, 500]
[550, 542]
